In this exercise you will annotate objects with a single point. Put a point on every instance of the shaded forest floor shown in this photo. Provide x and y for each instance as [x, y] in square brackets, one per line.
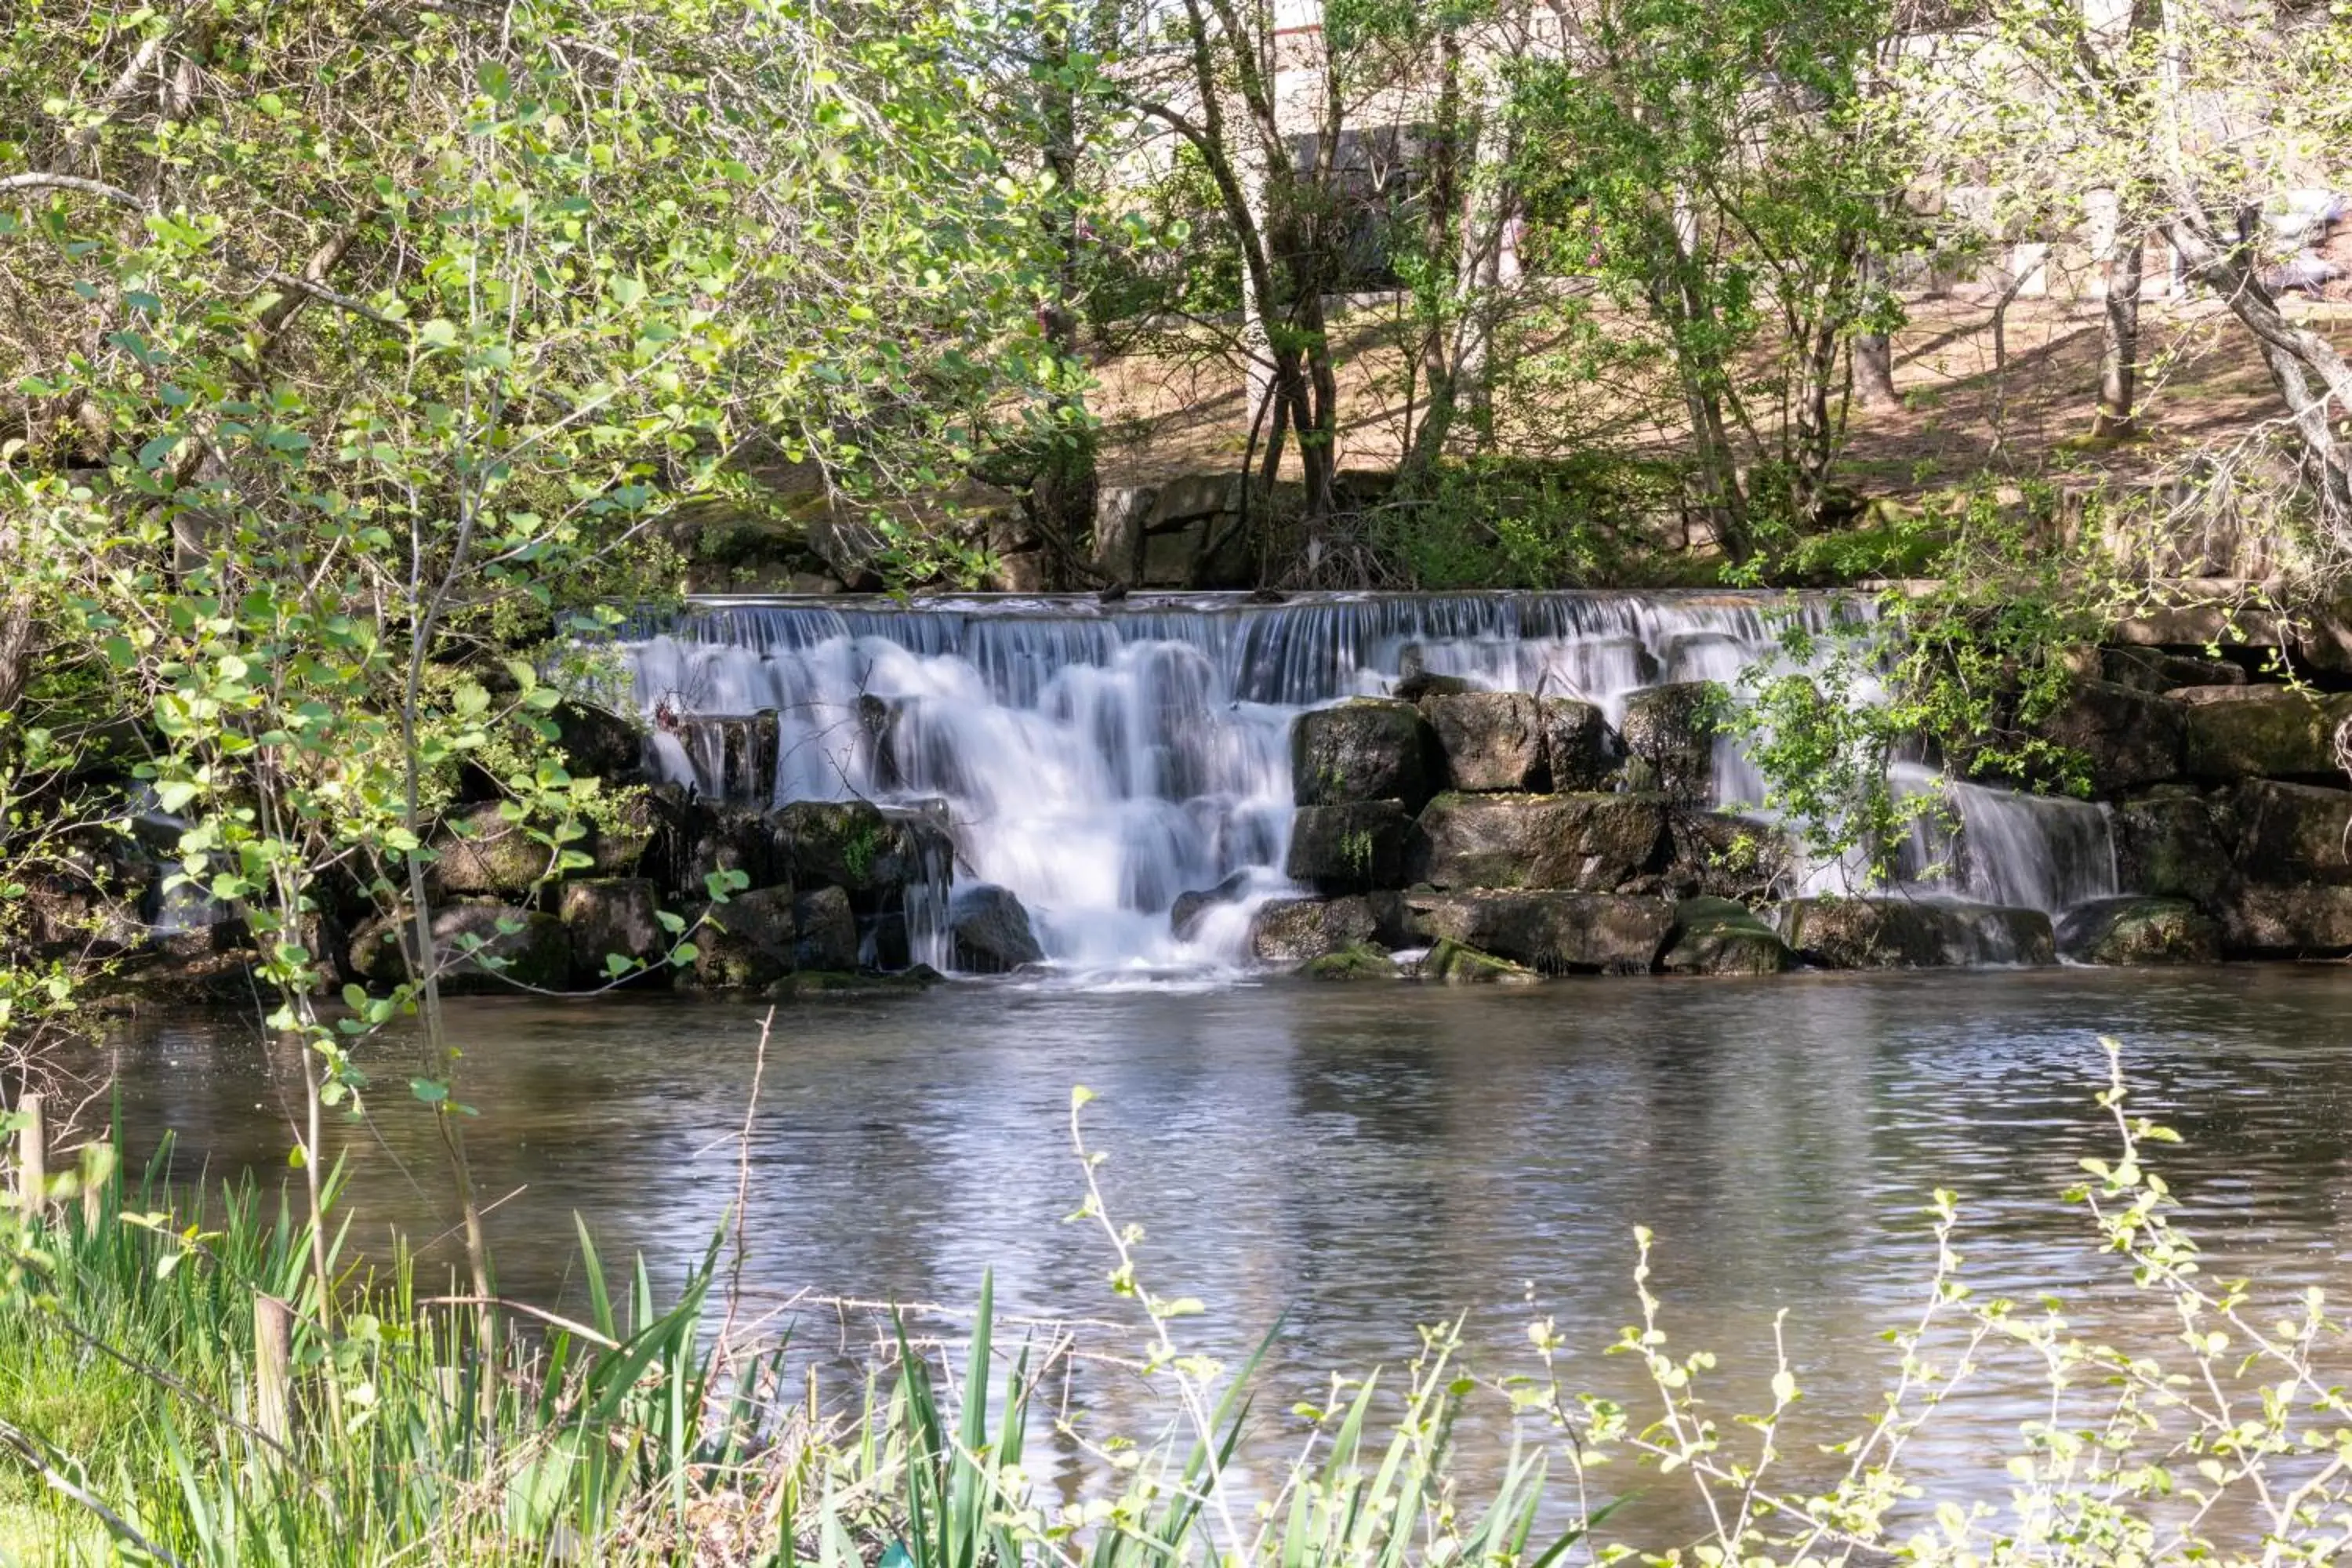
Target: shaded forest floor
[2018, 409]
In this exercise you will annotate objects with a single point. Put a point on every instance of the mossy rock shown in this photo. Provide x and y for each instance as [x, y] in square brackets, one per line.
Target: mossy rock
[814, 982]
[1451, 963]
[1717, 936]
[1357, 960]
[1366, 749]
[2138, 930]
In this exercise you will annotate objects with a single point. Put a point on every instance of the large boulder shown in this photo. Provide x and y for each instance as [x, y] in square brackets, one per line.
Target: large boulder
[2153, 670]
[479, 947]
[1293, 931]
[1717, 936]
[623, 831]
[854, 845]
[697, 837]
[2128, 737]
[1723, 855]
[608, 917]
[1349, 848]
[2290, 833]
[1553, 933]
[1185, 914]
[2311, 921]
[825, 931]
[1370, 748]
[2172, 844]
[747, 943]
[1453, 964]
[1670, 730]
[2138, 930]
[1489, 740]
[1914, 933]
[479, 853]
[1581, 752]
[1588, 842]
[992, 933]
[2260, 731]
[598, 742]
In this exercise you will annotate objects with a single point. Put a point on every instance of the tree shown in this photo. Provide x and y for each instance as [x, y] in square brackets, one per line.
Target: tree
[355, 352]
[2196, 120]
[1733, 167]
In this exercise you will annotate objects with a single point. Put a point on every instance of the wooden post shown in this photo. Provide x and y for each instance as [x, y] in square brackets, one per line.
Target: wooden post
[273, 1368]
[32, 1159]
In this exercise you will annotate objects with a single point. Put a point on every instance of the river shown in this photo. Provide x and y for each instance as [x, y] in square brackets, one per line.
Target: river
[1339, 1164]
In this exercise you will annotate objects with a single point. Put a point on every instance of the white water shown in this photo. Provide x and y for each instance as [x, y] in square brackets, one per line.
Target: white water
[1100, 761]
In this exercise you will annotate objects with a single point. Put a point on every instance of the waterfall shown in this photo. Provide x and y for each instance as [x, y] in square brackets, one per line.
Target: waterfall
[1101, 761]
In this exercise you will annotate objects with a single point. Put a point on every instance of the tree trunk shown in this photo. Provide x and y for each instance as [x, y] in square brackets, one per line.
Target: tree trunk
[15, 623]
[1063, 496]
[1874, 371]
[2296, 356]
[2119, 339]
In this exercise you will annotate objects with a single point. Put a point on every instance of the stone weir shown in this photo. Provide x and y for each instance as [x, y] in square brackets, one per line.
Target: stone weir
[1462, 786]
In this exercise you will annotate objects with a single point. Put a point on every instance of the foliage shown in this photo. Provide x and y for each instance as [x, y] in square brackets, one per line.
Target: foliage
[1497, 522]
[1959, 664]
[1729, 171]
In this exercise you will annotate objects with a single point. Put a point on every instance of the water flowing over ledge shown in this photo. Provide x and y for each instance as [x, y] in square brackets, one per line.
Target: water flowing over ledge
[1102, 760]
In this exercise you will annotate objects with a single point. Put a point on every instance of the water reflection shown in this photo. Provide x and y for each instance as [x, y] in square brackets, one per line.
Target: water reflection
[1352, 1161]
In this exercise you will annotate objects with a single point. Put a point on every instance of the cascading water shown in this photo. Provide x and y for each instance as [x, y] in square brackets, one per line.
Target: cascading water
[1101, 761]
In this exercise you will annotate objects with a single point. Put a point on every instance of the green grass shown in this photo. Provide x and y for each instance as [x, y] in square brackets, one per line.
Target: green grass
[127, 1388]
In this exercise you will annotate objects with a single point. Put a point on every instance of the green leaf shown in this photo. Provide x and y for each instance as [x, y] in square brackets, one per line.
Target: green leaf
[428, 1091]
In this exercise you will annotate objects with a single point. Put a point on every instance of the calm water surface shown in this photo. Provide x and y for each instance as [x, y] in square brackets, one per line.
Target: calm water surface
[1342, 1164]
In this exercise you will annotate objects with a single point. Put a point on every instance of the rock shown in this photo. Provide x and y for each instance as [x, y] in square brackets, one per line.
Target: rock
[2284, 922]
[1121, 514]
[1588, 842]
[1672, 729]
[2170, 843]
[1914, 933]
[696, 838]
[1723, 855]
[1357, 960]
[1553, 933]
[992, 934]
[2126, 737]
[808, 983]
[746, 942]
[623, 832]
[1349, 848]
[1291, 930]
[1184, 915]
[2290, 833]
[478, 852]
[1452, 963]
[518, 947]
[1716, 936]
[1420, 685]
[734, 754]
[1369, 748]
[825, 931]
[598, 742]
[2137, 930]
[1488, 739]
[2260, 731]
[612, 915]
[1581, 753]
[856, 846]
[2153, 670]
